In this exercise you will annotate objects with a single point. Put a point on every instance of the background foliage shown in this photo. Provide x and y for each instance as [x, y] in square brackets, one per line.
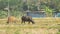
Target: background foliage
[18, 6]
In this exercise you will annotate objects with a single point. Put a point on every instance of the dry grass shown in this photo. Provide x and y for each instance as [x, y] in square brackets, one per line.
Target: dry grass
[17, 29]
[41, 26]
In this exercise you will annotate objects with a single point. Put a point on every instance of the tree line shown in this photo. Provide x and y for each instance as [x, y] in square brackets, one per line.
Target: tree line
[32, 5]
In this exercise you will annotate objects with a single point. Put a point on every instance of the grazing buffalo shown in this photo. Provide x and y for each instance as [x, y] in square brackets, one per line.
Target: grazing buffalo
[11, 19]
[27, 19]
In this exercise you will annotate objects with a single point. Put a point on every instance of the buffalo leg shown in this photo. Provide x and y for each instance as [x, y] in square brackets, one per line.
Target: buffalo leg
[23, 22]
[29, 22]
[32, 22]
[7, 21]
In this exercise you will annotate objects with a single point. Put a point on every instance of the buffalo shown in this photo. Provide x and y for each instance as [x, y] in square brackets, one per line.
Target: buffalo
[11, 19]
[27, 19]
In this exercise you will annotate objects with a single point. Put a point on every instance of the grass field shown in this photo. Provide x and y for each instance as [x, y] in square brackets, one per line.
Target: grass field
[41, 26]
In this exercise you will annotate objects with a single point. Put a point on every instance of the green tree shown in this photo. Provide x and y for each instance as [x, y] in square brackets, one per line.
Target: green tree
[48, 12]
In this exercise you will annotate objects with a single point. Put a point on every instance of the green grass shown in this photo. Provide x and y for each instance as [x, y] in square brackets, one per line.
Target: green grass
[58, 32]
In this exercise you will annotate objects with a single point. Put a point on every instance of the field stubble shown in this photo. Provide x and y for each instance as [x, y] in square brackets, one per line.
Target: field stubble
[41, 26]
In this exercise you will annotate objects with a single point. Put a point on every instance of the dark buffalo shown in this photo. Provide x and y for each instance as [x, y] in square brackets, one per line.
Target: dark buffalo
[27, 19]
